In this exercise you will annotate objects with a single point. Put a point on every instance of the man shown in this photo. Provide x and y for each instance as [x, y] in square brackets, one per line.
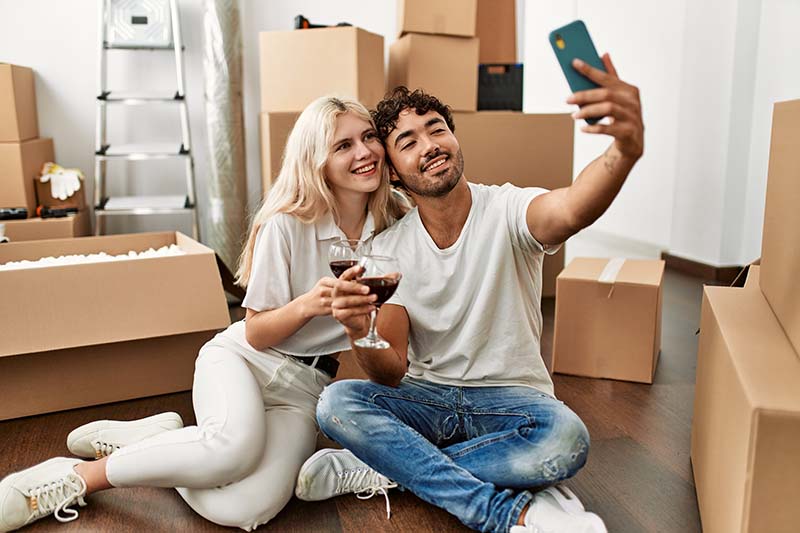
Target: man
[467, 419]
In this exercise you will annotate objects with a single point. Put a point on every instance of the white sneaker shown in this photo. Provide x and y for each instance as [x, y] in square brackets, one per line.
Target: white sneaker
[330, 473]
[103, 437]
[558, 510]
[49, 487]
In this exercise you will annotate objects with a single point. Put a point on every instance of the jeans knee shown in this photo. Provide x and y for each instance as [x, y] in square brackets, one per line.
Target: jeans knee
[574, 441]
[335, 403]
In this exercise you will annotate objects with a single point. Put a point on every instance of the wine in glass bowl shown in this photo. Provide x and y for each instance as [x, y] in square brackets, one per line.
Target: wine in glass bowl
[344, 254]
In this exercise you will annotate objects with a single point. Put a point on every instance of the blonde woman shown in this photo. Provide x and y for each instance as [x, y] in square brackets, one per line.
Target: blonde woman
[256, 384]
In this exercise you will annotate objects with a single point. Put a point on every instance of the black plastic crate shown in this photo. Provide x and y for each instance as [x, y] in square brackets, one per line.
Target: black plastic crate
[500, 86]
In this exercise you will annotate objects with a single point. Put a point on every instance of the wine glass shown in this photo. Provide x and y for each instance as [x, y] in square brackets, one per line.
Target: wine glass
[381, 273]
[345, 253]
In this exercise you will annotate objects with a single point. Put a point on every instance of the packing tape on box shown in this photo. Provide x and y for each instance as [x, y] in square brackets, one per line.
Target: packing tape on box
[610, 273]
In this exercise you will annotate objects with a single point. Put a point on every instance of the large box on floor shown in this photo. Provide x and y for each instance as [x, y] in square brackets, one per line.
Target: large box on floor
[446, 67]
[746, 425]
[780, 244]
[301, 65]
[18, 120]
[439, 17]
[496, 28]
[91, 333]
[38, 229]
[608, 318]
[275, 128]
[20, 164]
[536, 152]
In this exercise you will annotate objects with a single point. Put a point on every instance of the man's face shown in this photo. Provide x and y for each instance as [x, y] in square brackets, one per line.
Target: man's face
[425, 154]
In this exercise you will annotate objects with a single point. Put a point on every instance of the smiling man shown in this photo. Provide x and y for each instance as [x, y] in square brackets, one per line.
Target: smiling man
[467, 418]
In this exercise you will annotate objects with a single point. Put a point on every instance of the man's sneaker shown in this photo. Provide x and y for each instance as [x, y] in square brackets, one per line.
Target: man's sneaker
[330, 473]
[49, 487]
[103, 437]
[558, 510]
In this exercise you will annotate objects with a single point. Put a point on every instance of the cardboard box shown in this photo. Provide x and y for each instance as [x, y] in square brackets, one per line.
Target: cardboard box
[301, 65]
[438, 17]
[18, 120]
[608, 318]
[37, 229]
[537, 152]
[275, 128]
[746, 425]
[20, 164]
[497, 30]
[87, 334]
[780, 243]
[446, 67]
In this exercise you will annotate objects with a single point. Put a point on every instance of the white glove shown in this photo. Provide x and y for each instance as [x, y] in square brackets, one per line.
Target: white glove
[63, 182]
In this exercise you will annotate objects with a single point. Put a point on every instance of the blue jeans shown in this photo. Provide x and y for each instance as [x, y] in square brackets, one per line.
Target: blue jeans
[473, 451]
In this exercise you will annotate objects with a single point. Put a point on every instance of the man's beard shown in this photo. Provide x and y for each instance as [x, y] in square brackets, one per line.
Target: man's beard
[419, 185]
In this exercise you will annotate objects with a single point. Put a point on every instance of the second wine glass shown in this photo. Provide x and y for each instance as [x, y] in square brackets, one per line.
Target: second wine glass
[381, 273]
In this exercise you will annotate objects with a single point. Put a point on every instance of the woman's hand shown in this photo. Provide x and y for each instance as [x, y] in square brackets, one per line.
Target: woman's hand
[317, 301]
[352, 303]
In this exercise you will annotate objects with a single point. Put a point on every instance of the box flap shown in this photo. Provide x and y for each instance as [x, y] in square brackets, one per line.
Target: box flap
[765, 361]
[618, 270]
[88, 304]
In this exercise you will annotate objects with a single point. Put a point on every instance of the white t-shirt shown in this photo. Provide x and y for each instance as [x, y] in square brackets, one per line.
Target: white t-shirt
[289, 258]
[474, 307]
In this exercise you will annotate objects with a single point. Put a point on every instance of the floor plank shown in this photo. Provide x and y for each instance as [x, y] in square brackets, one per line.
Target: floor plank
[638, 477]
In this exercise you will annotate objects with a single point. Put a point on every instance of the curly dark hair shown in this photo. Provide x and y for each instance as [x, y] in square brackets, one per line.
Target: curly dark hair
[400, 98]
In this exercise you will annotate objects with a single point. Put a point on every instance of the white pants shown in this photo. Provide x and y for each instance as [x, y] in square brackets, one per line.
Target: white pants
[256, 427]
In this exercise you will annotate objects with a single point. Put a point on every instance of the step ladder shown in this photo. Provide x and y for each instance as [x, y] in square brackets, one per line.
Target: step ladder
[149, 25]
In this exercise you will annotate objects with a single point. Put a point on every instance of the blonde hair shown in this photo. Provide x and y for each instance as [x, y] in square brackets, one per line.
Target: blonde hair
[301, 189]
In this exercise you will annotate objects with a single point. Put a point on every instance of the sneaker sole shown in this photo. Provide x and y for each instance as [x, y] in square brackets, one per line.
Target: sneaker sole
[164, 421]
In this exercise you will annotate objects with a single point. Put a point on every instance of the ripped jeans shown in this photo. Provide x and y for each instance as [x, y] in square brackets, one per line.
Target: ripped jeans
[473, 451]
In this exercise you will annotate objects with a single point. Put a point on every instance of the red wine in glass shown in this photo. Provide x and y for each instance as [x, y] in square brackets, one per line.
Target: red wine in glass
[340, 265]
[382, 287]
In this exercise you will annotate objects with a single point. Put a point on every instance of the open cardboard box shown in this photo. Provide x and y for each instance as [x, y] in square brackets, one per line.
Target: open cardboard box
[746, 424]
[92, 333]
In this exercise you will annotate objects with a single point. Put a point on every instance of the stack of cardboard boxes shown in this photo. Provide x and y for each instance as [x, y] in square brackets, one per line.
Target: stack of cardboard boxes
[746, 426]
[22, 155]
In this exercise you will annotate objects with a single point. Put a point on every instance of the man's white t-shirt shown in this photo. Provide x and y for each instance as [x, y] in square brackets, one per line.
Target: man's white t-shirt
[474, 307]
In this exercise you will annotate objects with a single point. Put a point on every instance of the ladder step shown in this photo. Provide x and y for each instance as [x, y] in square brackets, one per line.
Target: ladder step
[108, 46]
[142, 151]
[144, 205]
[140, 98]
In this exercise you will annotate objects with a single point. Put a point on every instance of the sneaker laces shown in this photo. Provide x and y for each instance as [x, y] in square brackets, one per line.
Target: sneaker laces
[55, 497]
[366, 483]
[103, 449]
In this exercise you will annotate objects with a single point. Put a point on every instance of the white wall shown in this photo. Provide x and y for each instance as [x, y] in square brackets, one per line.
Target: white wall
[708, 73]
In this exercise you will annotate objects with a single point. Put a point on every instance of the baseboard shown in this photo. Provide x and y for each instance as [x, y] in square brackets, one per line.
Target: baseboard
[721, 275]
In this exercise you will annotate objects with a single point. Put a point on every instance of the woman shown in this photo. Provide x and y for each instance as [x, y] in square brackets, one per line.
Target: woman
[256, 384]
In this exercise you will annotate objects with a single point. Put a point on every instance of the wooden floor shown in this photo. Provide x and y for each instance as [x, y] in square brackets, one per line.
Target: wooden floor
[638, 477]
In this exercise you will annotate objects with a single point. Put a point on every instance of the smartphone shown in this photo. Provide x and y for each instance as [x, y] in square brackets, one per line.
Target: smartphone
[570, 42]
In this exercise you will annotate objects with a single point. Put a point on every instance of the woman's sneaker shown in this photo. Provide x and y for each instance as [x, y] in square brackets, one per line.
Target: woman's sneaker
[330, 473]
[104, 437]
[47, 488]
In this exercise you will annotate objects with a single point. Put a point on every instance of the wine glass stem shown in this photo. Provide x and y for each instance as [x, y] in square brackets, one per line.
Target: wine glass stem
[372, 333]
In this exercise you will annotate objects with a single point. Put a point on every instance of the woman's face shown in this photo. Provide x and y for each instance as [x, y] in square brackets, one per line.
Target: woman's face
[356, 159]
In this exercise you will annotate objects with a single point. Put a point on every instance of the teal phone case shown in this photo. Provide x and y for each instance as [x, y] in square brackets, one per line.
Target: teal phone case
[570, 42]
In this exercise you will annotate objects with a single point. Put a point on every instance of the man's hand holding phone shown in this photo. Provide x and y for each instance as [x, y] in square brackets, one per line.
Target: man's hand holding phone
[614, 99]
